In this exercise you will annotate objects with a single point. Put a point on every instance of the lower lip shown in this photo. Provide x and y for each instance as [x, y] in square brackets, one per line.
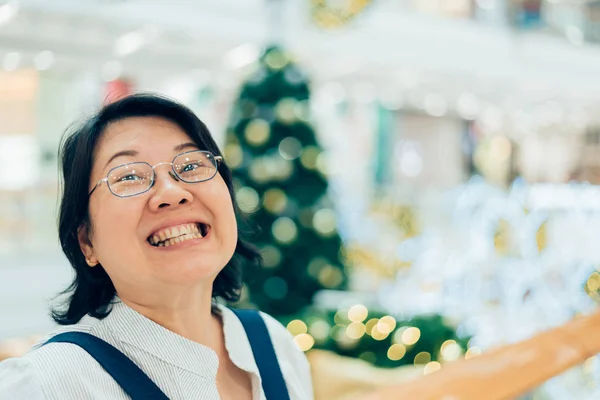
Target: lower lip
[184, 244]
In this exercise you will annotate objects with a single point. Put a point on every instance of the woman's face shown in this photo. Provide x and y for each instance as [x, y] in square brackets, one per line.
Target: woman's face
[123, 228]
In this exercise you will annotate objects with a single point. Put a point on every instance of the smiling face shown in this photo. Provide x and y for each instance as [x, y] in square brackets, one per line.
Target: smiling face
[174, 235]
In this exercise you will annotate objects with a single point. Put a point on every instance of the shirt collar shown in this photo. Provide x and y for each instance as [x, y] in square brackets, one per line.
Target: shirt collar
[146, 335]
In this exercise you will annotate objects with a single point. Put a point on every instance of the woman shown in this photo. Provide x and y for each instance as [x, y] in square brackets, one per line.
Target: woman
[148, 222]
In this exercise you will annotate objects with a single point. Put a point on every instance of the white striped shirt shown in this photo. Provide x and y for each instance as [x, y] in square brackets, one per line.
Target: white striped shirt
[181, 368]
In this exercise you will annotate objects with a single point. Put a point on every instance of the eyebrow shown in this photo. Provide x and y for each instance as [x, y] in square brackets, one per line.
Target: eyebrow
[133, 153]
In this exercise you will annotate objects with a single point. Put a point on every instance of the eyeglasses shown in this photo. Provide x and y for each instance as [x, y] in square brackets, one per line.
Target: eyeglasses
[138, 177]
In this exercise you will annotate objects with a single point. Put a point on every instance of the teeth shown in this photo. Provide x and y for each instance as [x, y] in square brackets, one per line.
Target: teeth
[177, 234]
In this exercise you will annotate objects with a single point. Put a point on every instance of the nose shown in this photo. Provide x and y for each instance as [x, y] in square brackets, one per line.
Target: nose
[169, 191]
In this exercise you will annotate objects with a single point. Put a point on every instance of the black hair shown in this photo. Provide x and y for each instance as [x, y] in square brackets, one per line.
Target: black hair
[92, 291]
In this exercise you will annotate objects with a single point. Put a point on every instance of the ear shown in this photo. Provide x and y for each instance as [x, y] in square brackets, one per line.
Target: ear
[86, 246]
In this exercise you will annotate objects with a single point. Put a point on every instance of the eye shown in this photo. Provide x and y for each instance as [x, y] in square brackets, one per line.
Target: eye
[130, 177]
[191, 166]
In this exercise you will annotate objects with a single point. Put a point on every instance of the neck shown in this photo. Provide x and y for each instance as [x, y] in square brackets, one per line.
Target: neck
[186, 314]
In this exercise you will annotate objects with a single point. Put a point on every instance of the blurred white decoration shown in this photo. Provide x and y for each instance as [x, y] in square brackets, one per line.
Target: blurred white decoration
[364, 93]
[468, 106]
[133, 41]
[8, 12]
[182, 89]
[111, 70]
[129, 43]
[242, 56]
[486, 4]
[435, 105]
[410, 161]
[392, 99]
[492, 118]
[11, 61]
[409, 78]
[44, 60]
[329, 94]
[457, 269]
[19, 162]
[575, 35]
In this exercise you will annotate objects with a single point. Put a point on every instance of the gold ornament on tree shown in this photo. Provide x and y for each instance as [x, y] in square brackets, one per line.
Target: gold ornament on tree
[503, 238]
[384, 266]
[329, 14]
[257, 132]
[275, 201]
[541, 236]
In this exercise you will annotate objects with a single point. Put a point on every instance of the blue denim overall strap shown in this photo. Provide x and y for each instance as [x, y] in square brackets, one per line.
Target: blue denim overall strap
[128, 375]
[264, 354]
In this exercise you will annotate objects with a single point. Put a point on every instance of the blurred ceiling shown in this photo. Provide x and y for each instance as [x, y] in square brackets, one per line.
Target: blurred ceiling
[388, 47]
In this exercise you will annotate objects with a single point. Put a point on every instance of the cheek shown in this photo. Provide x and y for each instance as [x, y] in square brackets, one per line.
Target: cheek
[223, 209]
[114, 228]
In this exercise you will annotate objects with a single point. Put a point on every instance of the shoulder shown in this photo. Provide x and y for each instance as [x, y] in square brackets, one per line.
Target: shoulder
[43, 372]
[32, 376]
[19, 380]
[292, 360]
[294, 364]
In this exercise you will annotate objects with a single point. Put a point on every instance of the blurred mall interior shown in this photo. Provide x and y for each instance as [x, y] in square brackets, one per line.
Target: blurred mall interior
[460, 140]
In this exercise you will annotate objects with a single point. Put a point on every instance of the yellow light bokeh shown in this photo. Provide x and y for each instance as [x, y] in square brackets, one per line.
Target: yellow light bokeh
[358, 313]
[398, 335]
[324, 222]
[431, 367]
[319, 330]
[371, 324]
[309, 157]
[389, 321]
[341, 317]
[396, 352]
[234, 155]
[257, 132]
[284, 230]
[422, 358]
[472, 352]
[304, 341]
[377, 334]
[450, 350]
[330, 277]
[593, 282]
[248, 199]
[297, 327]
[275, 201]
[355, 330]
[411, 335]
[383, 328]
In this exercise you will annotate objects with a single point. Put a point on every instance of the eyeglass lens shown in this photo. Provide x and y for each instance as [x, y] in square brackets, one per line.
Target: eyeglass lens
[135, 178]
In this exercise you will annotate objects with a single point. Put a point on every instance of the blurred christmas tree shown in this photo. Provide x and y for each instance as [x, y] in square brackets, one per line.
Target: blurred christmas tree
[280, 182]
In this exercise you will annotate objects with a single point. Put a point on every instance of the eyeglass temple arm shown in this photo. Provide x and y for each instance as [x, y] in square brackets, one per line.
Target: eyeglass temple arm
[218, 159]
[98, 184]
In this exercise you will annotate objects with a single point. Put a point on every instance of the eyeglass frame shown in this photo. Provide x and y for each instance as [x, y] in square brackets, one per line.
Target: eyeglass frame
[218, 161]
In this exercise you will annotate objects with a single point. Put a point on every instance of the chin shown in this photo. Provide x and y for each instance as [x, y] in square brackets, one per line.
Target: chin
[191, 271]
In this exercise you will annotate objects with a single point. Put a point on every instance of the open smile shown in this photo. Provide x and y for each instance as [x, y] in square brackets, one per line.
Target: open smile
[178, 234]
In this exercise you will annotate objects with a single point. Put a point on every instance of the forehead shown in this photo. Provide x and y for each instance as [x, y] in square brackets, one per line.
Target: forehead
[141, 134]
